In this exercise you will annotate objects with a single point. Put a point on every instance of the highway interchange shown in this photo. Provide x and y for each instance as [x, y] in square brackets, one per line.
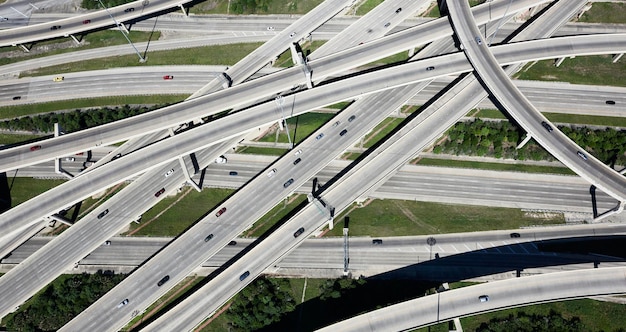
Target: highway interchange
[360, 129]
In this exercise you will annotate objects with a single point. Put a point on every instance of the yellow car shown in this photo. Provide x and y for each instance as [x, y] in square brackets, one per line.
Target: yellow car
[58, 78]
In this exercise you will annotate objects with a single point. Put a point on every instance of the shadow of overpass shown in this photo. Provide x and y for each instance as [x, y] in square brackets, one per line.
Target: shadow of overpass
[515, 257]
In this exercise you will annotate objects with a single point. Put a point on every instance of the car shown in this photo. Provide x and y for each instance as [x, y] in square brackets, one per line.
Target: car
[159, 193]
[336, 124]
[17, 97]
[297, 152]
[318, 137]
[398, 10]
[288, 183]
[483, 298]
[610, 102]
[478, 41]
[35, 147]
[271, 173]
[220, 212]
[4, 19]
[55, 27]
[123, 303]
[233, 173]
[581, 155]
[387, 24]
[515, 235]
[103, 213]
[168, 77]
[350, 119]
[70, 159]
[221, 160]
[430, 68]
[369, 30]
[244, 275]
[343, 132]
[232, 243]
[547, 126]
[291, 35]
[298, 232]
[208, 238]
[163, 280]
[170, 172]
[377, 241]
[116, 156]
[270, 28]
[86, 21]
[297, 161]
[128, 10]
[58, 79]
[107, 243]
[80, 153]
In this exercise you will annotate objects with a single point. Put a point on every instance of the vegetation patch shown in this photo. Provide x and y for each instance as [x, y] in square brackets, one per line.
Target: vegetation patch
[605, 12]
[206, 55]
[170, 216]
[245, 7]
[495, 166]
[367, 5]
[14, 111]
[76, 120]
[400, 218]
[61, 301]
[499, 139]
[595, 70]
[92, 40]
[300, 127]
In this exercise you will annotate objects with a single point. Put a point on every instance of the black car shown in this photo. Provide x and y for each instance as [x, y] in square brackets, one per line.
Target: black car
[103, 213]
[547, 126]
[515, 235]
[128, 10]
[209, 237]
[430, 68]
[233, 173]
[232, 243]
[17, 97]
[288, 183]
[398, 10]
[610, 102]
[244, 275]
[163, 280]
[55, 27]
[377, 241]
[298, 232]
[343, 132]
[295, 162]
[350, 119]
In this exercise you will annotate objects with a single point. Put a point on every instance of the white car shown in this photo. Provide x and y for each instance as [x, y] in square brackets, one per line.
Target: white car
[298, 152]
[221, 160]
[291, 35]
[270, 28]
[170, 172]
[70, 159]
[123, 303]
[271, 173]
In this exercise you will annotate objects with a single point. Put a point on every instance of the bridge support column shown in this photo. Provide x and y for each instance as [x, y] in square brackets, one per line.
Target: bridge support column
[185, 11]
[298, 58]
[75, 39]
[58, 218]
[346, 256]
[616, 57]
[411, 52]
[559, 61]
[26, 49]
[519, 146]
[57, 161]
[187, 176]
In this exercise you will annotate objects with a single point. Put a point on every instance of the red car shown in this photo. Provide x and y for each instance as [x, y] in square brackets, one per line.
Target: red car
[219, 213]
[168, 77]
[86, 21]
[35, 148]
[159, 193]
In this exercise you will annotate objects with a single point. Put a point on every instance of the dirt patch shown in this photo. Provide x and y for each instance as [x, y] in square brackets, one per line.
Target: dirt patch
[549, 78]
